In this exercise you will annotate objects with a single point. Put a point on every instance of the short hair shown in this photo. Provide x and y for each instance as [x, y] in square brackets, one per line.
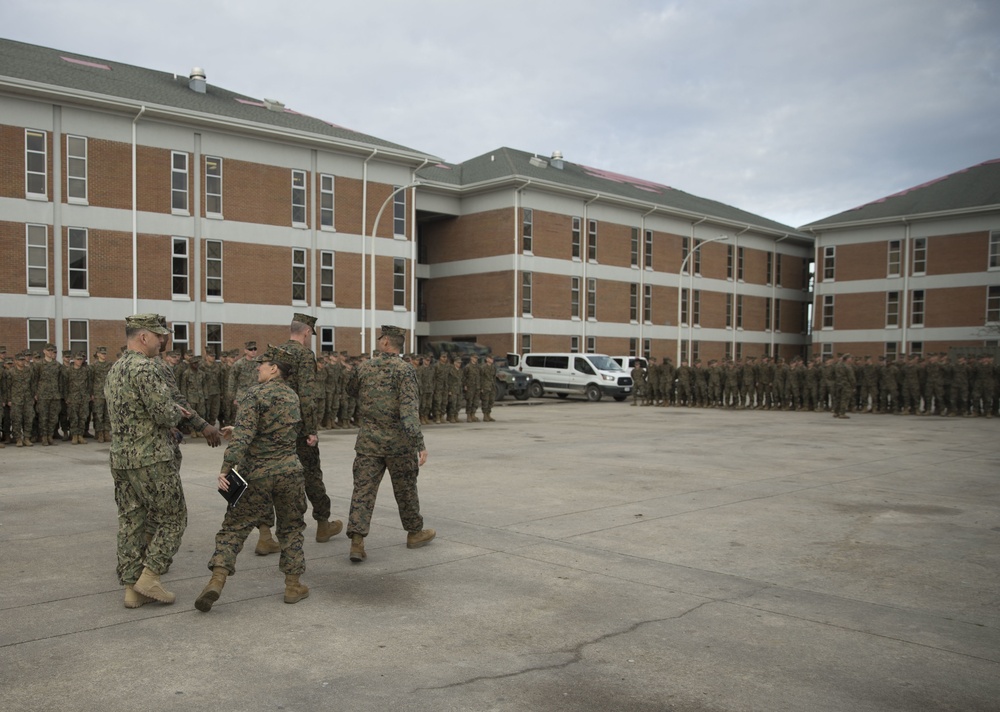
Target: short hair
[397, 340]
[297, 327]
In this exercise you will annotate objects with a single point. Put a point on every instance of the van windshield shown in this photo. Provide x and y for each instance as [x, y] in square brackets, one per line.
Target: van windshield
[605, 363]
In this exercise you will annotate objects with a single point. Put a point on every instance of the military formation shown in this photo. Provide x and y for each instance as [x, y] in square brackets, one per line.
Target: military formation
[935, 384]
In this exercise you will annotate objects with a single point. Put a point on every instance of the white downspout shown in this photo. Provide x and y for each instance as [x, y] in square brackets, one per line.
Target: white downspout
[774, 288]
[904, 302]
[413, 260]
[515, 348]
[364, 232]
[135, 220]
[642, 279]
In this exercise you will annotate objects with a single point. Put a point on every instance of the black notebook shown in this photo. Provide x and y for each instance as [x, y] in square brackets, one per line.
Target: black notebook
[237, 486]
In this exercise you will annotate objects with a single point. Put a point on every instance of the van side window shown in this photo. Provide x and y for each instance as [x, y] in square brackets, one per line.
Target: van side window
[583, 366]
[557, 362]
[534, 361]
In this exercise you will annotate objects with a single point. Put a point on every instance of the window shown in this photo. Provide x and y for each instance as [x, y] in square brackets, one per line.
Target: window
[633, 303]
[767, 313]
[76, 169]
[213, 269]
[648, 259]
[591, 345]
[575, 238]
[592, 299]
[299, 198]
[592, 240]
[326, 338]
[526, 293]
[37, 246]
[213, 339]
[178, 182]
[634, 251]
[574, 297]
[697, 257]
[739, 311]
[892, 309]
[399, 212]
[38, 334]
[739, 351]
[76, 259]
[36, 164]
[917, 348]
[729, 312]
[79, 336]
[213, 186]
[632, 346]
[993, 305]
[326, 202]
[891, 350]
[995, 249]
[920, 255]
[777, 315]
[696, 308]
[894, 258]
[685, 252]
[917, 311]
[828, 311]
[646, 348]
[770, 269]
[526, 217]
[574, 344]
[827, 350]
[298, 276]
[179, 340]
[398, 283]
[777, 270]
[829, 263]
[684, 306]
[179, 268]
[326, 278]
[525, 343]
[695, 351]
[740, 263]
[729, 261]
[647, 303]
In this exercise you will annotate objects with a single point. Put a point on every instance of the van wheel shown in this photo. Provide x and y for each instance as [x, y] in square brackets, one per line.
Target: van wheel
[562, 395]
[593, 393]
[535, 390]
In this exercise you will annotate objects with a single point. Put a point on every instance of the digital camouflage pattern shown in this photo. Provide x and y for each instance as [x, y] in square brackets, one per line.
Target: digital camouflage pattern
[77, 384]
[388, 402]
[302, 380]
[141, 411]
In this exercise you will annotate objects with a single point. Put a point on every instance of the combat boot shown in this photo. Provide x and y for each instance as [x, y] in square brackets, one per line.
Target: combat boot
[418, 539]
[19, 443]
[133, 599]
[487, 418]
[266, 543]
[358, 548]
[468, 418]
[149, 585]
[439, 420]
[213, 589]
[326, 529]
[475, 418]
[27, 442]
[295, 591]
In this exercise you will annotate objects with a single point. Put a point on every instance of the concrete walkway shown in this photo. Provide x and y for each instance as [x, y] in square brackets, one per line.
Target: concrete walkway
[590, 556]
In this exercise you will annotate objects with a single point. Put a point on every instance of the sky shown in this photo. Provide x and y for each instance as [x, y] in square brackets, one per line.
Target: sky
[791, 109]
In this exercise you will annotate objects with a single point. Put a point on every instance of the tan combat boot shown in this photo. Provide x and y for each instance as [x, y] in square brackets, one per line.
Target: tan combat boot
[27, 442]
[358, 548]
[325, 530]
[418, 539]
[213, 589]
[19, 443]
[266, 544]
[149, 585]
[487, 418]
[134, 599]
[295, 591]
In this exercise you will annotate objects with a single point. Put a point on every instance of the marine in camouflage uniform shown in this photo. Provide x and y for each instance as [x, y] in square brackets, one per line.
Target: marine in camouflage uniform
[425, 379]
[147, 484]
[77, 386]
[6, 365]
[99, 406]
[213, 373]
[389, 438]
[22, 403]
[441, 380]
[192, 384]
[454, 389]
[471, 381]
[639, 386]
[262, 448]
[487, 387]
[242, 374]
[844, 383]
[48, 393]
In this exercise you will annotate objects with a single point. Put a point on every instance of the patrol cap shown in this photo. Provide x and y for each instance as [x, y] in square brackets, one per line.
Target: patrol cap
[393, 331]
[81, 355]
[22, 356]
[250, 346]
[66, 353]
[309, 321]
[148, 322]
[194, 359]
[102, 350]
[276, 354]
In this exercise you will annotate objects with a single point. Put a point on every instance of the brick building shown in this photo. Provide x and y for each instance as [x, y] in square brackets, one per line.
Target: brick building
[915, 272]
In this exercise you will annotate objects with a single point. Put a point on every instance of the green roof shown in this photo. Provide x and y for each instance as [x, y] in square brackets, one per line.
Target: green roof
[970, 189]
[55, 69]
[507, 164]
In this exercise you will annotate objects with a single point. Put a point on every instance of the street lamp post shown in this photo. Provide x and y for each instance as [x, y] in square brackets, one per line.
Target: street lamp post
[680, 286]
[378, 216]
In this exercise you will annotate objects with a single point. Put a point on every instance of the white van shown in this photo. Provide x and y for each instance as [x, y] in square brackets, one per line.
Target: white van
[592, 375]
[628, 362]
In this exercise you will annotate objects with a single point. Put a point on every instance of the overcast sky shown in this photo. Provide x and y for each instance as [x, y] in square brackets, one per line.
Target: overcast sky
[791, 109]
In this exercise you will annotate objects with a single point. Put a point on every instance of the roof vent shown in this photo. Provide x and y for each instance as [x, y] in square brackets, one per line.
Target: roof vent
[557, 160]
[538, 162]
[196, 81]
[274, 105]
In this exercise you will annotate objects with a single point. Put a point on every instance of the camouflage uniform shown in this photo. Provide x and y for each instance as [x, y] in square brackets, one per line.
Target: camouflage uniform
[77, 381]
[192, 384]
[454, 375]
[843, 389]
[441, 378]
[48, 395]
[98, 375]
[471, 380]
[263, 449]
[638, 383]
[487, 388]
[425, 378]
[213, 374]
[390, 437]
[22, 405]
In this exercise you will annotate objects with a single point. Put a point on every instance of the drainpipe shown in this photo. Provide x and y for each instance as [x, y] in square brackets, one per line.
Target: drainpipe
[413, 260]
[57, 226]
[774, 288]
[364, 232]
[642, 277]
[135, 221]
[585, 287]
[736, 282]
[517, 265]
[196, 239]
[904, 301]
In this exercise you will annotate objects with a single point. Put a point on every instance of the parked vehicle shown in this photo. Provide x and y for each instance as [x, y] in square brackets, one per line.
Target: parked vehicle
[590, 375]
[628, 362]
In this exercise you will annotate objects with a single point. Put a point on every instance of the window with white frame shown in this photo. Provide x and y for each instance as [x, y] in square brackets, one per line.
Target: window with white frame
[729, 311]
[591, 344]
[37, 255]
[777, 315]
[633, 344]
[326, 278]
[179, 339]
[634, 248]
[398, 283]
[592, 240]
[76, 260]
[574, 344]
[526, 293]
[994, 262]
[298, 276]
[826, 351]
[647, 348]
[180, 268]
[695, 351]
[213, 186]
[178, 181]
[38, 334]
[527, 214]
[739, 351]
[633, 303]
[828, 311]
[574, 297]
[76, 169]
[740, 263]
[525, 343]
[399, 212]
[685, 252]
[917, 308]
[739, 311]
[729, 261]
[36, 164]
[575, 237]
[894, 258]
[326, 196]
[647, 303]
[892, 309]
[213, 270]
[648, 257]
[697, 257]
[992, 305]
[592, 299]
[327, 336]
[298, 198]
[696, 308]
[829, 263]
[891, 350]
[213, 338]
[777, 269]
[767, 313]
[920, 255]
[684, 306]
[769, 273]
[79, 336]
[917, 348]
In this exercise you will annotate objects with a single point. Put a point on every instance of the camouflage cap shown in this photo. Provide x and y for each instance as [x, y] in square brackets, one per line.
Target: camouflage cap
[148, 322]
[21, 356]
[309, 321]
[102, 350]
[392, 331]
[194, 359]
[82, 355]
[66, 353]
[277, 354]
[250, 345]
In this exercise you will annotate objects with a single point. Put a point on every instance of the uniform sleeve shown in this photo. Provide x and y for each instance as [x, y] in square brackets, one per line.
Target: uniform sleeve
[351, 383]
[244, 430]
[155, 396]
[307, 392]
[409, 411]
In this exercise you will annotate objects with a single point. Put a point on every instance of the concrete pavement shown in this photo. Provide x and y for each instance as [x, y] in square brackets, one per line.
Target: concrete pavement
[590, 556]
